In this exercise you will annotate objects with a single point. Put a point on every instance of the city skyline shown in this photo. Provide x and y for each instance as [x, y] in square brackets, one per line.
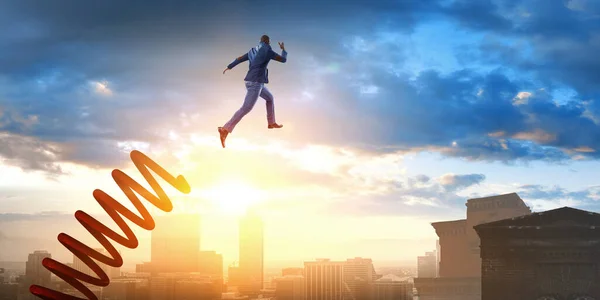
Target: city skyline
[361, 157]
[455, 273]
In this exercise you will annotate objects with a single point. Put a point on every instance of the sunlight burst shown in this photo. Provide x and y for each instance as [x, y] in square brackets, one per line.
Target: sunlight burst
[233, 196]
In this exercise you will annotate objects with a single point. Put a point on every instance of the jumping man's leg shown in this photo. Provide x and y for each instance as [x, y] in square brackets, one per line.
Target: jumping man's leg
[269, 100]
[253, 90]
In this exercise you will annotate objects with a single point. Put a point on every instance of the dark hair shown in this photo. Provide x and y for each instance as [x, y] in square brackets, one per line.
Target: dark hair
[265, 38]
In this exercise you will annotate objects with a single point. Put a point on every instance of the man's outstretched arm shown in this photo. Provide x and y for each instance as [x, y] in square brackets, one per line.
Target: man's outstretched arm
[237, 61]
[280, 58]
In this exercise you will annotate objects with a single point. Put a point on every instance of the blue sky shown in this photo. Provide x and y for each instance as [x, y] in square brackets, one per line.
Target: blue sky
[394, 112]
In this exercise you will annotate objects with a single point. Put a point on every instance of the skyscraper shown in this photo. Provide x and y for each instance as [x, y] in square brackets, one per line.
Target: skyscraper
[35, 273]
[210, 263]
[252, 250]
[324, 280]
[290, 287]
[427, 265]
[175, 243]
[359, 273]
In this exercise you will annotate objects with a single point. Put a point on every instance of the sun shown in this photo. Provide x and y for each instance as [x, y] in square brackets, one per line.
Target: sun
[233, 196]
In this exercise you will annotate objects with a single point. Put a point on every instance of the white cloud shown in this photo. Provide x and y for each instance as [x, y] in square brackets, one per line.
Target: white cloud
[101, 88]
[521, 98]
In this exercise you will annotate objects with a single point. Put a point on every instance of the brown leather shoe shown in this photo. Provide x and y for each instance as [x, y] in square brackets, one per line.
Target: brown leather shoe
[223, 135]
[275, 125]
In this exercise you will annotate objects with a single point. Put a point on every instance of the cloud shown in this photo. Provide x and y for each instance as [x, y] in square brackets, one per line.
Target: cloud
[84, 79]
[555, 42]
[453, 182]
[126, 71]
[417, 195]
[542, 198]
[29, 153]
[18, 217]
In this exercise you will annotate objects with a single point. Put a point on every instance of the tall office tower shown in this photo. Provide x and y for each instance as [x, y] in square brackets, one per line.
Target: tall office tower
[289, 287]
[175, 243]
[252, 250]
[460, 257]
[359, 273]
[427, 265]
[111, 272]
[35, 273]
[324, 280]
[34, 269]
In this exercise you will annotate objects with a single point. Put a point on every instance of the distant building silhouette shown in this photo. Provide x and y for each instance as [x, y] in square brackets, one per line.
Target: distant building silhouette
[359, 274]
[391, 287]
[324, 279]
[145, 267]
[234, 276]
[460, 263]
[427, 265]
[175, 243]
[210, 263]
[35, 273]
[549, 255]
[251, 251]
[126, 289]
[184, 286]
[292, 271]
[290, 287]
[9, 291]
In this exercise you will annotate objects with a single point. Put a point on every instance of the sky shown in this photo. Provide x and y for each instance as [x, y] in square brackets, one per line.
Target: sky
[394, 112]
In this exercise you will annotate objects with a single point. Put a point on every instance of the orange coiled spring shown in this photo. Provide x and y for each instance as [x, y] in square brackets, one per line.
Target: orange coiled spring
[115, 210]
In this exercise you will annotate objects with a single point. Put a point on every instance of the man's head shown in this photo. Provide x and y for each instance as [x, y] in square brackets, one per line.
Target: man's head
[265, 39]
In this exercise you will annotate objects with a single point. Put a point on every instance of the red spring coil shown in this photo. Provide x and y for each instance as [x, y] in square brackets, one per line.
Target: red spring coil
[116, 211]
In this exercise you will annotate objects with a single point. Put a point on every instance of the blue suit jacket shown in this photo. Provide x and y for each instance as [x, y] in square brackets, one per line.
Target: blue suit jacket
[259, 57]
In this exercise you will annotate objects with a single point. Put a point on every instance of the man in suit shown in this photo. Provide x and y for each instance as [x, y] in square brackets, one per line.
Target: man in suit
[256, 79]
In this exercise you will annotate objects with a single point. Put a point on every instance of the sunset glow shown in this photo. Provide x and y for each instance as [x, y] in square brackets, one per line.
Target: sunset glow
[233, 197]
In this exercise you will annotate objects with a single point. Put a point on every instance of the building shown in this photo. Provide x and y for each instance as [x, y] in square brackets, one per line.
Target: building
[251, 251]
[210, 263]
[181, 286]
[197, 289]
[324, 280]
[359, 274]
[289, 287]
[292, 271]
[111, 272]
[427, 265]
[437, 258]
[9, 291]
[391, 287]
[126, 289]
[460, 264]
[145, 267]
[35, 273]
[175, 243]
[549, 255]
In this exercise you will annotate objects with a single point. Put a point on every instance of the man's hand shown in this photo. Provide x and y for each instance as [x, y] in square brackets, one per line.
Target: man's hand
[281, 46]
[226, 70]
